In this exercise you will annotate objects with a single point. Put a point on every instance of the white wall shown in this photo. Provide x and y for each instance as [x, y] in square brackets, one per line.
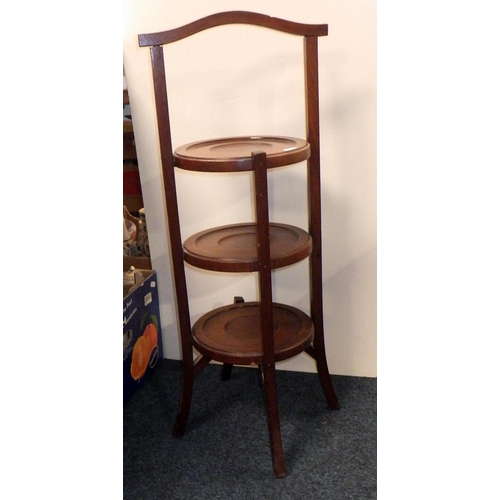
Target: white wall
[254, 85]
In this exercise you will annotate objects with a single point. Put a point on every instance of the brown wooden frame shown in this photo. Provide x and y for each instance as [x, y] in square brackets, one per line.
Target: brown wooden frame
[259, 163]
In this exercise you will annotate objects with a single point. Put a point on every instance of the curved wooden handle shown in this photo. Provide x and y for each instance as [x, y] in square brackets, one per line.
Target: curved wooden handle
[232, 17]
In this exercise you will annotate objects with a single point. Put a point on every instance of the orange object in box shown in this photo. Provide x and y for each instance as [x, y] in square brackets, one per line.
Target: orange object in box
[142, 343]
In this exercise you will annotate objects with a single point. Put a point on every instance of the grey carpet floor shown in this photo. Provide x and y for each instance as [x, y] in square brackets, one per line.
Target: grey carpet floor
[225, 451]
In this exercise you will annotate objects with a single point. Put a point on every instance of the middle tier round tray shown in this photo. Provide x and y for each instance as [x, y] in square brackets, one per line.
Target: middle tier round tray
[233, 248]
[234, 154]
[232, 334]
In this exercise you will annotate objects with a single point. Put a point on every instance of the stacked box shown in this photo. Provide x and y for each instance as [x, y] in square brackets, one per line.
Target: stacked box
[142, 344]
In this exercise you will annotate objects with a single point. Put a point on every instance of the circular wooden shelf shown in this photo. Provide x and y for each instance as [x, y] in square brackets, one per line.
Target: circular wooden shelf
[233, 154]
[233, 248]
[231, 334]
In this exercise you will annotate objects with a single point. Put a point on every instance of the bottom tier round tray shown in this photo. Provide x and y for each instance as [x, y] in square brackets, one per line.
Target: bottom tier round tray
[231, 334]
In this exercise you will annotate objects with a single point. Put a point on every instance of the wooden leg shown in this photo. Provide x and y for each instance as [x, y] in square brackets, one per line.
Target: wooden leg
[225, 373]
[190, 370]
[186, 396]
[319, 356]
[326, 381]
[269, 372]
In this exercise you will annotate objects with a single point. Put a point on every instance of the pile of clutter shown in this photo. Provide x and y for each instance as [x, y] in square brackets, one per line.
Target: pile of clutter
[135, 234]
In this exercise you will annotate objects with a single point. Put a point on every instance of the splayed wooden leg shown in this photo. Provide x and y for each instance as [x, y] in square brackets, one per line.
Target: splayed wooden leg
[269, 372]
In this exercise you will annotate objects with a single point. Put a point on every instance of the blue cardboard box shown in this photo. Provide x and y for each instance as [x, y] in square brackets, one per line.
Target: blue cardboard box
[142, 344]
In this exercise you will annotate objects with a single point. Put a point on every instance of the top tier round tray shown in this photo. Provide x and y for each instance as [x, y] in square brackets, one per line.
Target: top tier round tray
[235, 153]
